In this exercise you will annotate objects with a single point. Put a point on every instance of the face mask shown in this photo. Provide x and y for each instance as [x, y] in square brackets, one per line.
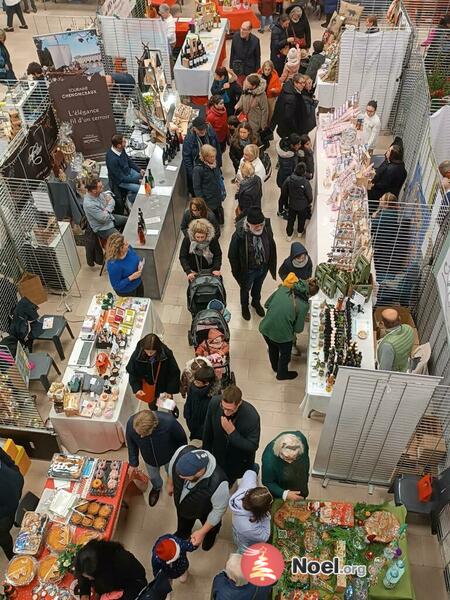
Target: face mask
[298, 263]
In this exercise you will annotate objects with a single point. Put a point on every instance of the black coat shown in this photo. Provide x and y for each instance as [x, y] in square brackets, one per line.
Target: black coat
[290, 112]
[245, 55]
[208, 185]
[307, 157]
[310, 104]
[195, 409]
[191, 148]
[235, 452]
[300, 29]
[278, 40]
[188, 217]
[249, 193]
[296, 193]
[195, 263]
[11, 484]
[389, 177]
[117, 569]
[139, 367]
[287, 160]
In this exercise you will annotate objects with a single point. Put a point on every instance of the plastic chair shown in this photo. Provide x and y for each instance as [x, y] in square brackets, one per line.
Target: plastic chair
[28, 502]
[406, 494]
[55, 332]
[43, 362]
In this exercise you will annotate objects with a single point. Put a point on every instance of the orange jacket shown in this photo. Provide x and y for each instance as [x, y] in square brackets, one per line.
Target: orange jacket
[273, 87]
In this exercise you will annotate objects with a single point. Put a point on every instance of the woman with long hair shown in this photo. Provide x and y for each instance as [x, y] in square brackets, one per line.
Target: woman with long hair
[124, 267]
[243, 136]
[273, 85]
[208, 181]
[216, 115]
[198, 210]
[200, 250]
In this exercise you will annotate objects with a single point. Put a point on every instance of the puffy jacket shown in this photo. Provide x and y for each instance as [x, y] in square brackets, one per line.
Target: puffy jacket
[290, 112]
[287, 267]
[250, 193]
[287, 160]
[218, 119]
[208, 184]
[195, 263]
[286, 312]
[278, 40]
[139, 367]
[191, 148]
[296, 192]
[188, 217]
[273, 85]
[389, 177]
[254, 104]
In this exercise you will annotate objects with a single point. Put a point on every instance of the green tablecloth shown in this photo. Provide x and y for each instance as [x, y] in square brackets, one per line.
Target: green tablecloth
[404, 589]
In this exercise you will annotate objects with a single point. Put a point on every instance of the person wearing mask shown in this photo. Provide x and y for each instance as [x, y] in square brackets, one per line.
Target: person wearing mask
[296, 197]
[389, 177]
[166, 17]
[279, 42]
[198, 210]
[13, 7]
[156, 435]
[216, 115]
[299, 27]
[310, 104]
[329, 8]
[198, 135]
[306, 155]
[230, 584]
[208, 181]
[286, 308]
[253, 103]
[124, 267]
[252, 254]
[243, 136]
[266, 10]
[298, 262]
[273, 85]
[153, 370]
[232, 431]
[225, 85]
[245, 55]
[287, 151]
[372, 24]
[204, 386]
[200, 491]
[251, 155]
[122, 171]
[316, 60]
[11, 485]
[6, 68]
[394, 349]
[98, 208]
[103, 567]
[250, 190]
[290, 110]
[285, 466]
[371, 126]
[200, 250]
[291, 66]
[250, 510]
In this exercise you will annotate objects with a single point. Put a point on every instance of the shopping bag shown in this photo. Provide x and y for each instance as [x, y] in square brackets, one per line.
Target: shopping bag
[140, 480]
[425, 488]
[30, 286]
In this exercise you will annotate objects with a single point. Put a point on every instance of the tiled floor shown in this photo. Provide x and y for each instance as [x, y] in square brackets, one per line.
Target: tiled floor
[277, 403]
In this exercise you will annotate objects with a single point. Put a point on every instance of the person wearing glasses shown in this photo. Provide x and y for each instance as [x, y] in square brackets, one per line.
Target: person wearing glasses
[245, 57]
[231, 433]
[371, 126]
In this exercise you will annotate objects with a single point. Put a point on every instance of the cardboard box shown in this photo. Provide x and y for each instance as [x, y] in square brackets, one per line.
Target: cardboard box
[10, 448]
[405, 317]
[30, 286]
[22, 460]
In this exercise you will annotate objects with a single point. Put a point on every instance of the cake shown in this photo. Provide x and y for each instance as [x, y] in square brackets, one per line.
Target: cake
[21, 570]
[58, 537]
[48, 571]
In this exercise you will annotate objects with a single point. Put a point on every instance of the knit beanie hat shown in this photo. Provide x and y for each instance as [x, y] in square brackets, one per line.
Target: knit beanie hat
[167, 550]
[255, 216]
[293, 56]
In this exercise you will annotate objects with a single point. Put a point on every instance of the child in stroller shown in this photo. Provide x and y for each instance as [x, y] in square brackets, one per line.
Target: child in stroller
[216, 349]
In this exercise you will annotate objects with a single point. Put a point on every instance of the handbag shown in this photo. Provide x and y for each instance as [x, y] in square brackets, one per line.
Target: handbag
[243, 116]
[425, 488]
[140, 480]
[149, 389]
[298, 41]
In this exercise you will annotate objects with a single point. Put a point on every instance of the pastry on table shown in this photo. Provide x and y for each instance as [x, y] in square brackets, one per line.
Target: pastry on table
[99, 524]
[48, 571]
[58, 537]
[83, 507]
[105, 510]
[93, 509]
[21, 570]
[97, 484]
[87, 521]
[86, 536]
[76, 518]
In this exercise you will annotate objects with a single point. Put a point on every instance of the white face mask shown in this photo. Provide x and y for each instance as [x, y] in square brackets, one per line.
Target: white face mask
[298, 263]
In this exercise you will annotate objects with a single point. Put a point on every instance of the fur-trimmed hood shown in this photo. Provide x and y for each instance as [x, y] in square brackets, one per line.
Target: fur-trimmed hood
[259, 89]
[210, 235]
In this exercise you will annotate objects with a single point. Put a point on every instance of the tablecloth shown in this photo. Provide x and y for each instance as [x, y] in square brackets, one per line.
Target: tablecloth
[237, 16]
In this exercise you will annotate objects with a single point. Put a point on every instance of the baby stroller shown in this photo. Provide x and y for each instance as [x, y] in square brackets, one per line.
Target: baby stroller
[204, 322]
[204, 288]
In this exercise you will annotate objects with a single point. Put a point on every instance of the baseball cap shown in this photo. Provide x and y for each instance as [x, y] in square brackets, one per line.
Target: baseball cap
[192, 462]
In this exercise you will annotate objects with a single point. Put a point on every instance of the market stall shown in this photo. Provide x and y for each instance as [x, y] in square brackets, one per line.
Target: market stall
[370, 537]
[93, 403]
[72, 510]
[236, 15]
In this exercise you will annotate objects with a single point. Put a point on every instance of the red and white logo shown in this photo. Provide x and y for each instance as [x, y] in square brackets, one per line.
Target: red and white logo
[262, 564]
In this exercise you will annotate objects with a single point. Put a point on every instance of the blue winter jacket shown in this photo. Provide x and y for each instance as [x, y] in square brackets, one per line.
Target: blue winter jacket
[191, 148]
[120, 167]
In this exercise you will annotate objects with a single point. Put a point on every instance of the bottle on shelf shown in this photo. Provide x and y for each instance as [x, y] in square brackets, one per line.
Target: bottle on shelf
[141, 227]
[147, 186]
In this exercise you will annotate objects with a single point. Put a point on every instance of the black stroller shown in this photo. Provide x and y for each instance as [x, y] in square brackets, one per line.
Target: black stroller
[204, 288]
[202, 322]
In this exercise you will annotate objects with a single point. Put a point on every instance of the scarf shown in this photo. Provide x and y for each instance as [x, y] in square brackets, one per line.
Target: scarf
[257, 245]
[201, 249]
[211, 166]
[243, 143]
[299, 263]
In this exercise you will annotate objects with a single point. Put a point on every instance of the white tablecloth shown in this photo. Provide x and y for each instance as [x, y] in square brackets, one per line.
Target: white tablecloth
[98, 434]
[198, 81]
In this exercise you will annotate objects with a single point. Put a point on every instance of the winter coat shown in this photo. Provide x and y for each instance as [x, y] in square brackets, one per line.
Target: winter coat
[278, 40]
[237, 151]
[310, 104]
[25, 325]
[208, 184]
[158, 447]
[196, 407]
[117, 569]
[296, 193]
[230, 96]
[389, 177]
[290, 112]
[287, 160]
[307, 157]
[191, 148]
[119, 270]
[254, 104]
[287, 266]
[247, 532]
[273, 85]
[266, 8]
[279, 476]
[194, 263]
[234, 452]
[249, 193]
[289, 70]
[286, 312]
[224, 588]
[238, 252]
[245, 55]
[139, 368]
[218, 119]
[179, 566]
[315, 62]
[6, 68]
[301, 29]
[11, 484]
[188, 217]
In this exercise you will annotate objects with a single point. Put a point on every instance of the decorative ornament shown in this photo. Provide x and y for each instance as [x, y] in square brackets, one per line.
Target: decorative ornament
[369, 555]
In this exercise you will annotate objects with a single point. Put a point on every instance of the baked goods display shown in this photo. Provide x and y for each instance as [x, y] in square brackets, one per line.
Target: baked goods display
[59, 537]
[106, 477]
[86, 535]
[66, 466]
[93, 515]
[21, 570]
[291, 511]
[31, 534]
[383, 525]
[48, 571]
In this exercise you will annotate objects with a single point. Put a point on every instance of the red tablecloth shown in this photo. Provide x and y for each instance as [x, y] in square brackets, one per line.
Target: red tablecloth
[25, 592]
[236, 16]
[181, 30]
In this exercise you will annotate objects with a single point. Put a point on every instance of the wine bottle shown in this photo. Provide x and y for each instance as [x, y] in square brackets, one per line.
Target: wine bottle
[141, 227]
[147, 186]
[151, 179]
[164, 156]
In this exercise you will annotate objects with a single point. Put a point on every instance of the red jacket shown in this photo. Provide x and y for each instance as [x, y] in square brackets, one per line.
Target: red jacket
[273, 87]
[218, 119]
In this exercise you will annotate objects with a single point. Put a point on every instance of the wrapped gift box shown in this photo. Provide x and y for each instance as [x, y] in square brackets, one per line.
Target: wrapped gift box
[337, 513]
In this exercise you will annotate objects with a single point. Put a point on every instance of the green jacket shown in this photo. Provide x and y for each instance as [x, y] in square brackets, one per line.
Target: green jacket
[278, 475]
[286, 312]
